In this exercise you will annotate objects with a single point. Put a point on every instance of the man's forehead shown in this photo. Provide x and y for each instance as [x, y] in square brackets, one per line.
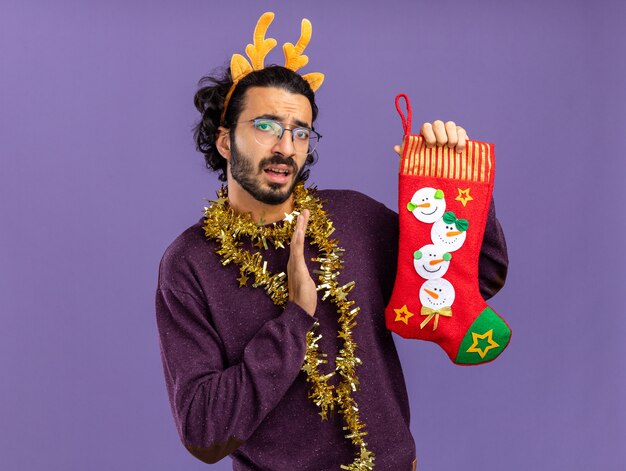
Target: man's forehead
[278, 102]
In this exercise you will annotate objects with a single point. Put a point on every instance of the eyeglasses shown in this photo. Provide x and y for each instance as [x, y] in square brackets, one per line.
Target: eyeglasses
[268, 132]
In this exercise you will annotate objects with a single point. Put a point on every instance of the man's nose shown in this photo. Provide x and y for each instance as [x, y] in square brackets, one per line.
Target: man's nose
[285, 146]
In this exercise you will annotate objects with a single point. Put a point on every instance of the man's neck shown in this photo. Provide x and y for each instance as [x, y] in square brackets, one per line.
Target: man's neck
[243, 202]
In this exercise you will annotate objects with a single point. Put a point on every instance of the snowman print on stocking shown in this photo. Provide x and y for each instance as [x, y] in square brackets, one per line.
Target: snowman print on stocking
[431, 261]
[436, 296]
[427, 205]
[449, 232]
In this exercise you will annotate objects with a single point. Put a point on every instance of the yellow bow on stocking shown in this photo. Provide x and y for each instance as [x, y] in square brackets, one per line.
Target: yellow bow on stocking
[426, 311]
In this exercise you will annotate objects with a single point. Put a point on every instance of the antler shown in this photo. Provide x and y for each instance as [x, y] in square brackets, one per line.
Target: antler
[261, 47]
[294, 59]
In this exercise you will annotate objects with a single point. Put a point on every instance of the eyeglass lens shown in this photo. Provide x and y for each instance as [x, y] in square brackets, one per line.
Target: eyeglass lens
[269, 132]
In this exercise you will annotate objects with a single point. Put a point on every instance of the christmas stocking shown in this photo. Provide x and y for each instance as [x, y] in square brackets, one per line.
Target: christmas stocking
[444, 198]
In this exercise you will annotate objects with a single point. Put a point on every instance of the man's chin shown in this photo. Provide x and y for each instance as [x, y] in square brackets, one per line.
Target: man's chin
[277, 193]
[271, 193]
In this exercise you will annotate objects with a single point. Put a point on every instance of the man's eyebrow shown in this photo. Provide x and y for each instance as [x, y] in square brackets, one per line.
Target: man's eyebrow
[299, 123]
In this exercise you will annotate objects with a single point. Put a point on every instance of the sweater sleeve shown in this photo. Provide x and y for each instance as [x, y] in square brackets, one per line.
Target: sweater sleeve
[494, 261]
[217, 407]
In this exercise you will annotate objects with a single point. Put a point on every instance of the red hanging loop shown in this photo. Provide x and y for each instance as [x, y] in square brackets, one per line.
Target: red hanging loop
[406, 121]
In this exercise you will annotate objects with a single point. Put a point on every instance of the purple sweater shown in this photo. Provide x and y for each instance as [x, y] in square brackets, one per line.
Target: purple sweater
[232, 358]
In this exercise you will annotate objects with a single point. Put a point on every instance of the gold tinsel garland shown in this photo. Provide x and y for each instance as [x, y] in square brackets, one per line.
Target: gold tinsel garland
[226, 227]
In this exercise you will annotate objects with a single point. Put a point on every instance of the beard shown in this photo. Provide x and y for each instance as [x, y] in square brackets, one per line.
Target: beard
[243, 172]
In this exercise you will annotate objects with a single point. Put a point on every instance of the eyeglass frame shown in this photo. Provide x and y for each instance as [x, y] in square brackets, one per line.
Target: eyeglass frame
[283, 128]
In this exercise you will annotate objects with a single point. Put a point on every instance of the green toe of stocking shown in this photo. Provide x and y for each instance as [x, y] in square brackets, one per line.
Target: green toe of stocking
[487, 337]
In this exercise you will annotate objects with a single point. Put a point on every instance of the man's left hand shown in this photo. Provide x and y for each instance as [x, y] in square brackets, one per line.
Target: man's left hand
[442, 134]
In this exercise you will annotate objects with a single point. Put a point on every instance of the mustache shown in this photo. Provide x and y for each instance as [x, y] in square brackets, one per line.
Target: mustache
[279, 160]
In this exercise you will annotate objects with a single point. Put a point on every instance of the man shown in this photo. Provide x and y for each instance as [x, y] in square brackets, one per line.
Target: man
[236, 296]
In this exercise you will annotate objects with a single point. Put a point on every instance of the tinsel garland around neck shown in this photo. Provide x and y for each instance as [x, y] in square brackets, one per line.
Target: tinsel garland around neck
[228, 229]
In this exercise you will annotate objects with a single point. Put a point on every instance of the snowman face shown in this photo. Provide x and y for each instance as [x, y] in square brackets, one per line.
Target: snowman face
[447, 235]
[431, 261]
[436, 294]
[427, 204]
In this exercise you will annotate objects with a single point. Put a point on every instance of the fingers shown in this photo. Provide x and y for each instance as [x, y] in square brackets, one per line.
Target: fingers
[444, 134]
[297, 239]
[429, 136]
[303, 221]
[440, 133]
[453, 138]
[302, 289]
[463, 138]
[397, 149]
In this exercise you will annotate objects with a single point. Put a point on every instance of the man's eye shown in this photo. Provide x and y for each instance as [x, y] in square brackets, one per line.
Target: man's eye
[266, 126]
[301, 134]
[263, 127]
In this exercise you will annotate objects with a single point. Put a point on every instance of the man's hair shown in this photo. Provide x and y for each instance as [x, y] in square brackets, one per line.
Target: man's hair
[209, 101]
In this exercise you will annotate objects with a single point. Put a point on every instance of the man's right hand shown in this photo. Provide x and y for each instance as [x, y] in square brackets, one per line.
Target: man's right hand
[302, 290]
[442, 134]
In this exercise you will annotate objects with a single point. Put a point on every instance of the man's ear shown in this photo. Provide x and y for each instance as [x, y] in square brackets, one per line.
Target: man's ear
[222, 142]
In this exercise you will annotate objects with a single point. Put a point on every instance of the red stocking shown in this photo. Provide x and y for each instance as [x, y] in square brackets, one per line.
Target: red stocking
[443, 203]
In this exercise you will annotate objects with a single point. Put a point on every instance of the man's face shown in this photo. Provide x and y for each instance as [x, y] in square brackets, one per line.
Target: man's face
[268, 172]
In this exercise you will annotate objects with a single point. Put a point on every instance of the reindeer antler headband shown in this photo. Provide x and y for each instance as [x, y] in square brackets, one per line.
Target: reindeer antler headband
[294, 59]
